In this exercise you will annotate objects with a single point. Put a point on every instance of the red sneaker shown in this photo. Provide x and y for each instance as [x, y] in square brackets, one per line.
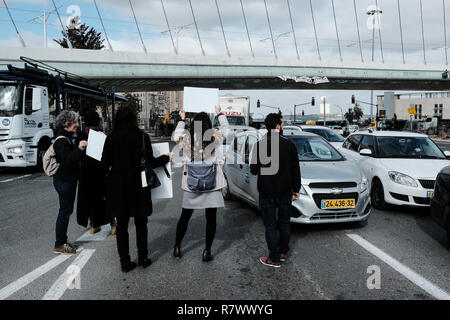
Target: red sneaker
[283, 257]
[268, 262]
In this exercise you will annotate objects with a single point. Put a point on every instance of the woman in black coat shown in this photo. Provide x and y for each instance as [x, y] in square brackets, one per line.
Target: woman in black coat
[125, 195]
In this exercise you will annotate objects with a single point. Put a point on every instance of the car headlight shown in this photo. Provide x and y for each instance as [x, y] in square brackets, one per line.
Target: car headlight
[364, 184]
[16, 150]
[401, 178]
[303, 191]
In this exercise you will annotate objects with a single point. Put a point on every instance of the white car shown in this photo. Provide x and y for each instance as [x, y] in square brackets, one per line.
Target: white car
[401, 166]
[291, 130]
[328, 134]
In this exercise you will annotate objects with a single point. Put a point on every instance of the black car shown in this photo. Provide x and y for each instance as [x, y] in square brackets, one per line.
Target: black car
[440, 202]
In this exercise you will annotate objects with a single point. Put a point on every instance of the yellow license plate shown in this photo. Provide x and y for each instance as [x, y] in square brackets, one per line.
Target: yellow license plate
[338, 204]
[430, 194]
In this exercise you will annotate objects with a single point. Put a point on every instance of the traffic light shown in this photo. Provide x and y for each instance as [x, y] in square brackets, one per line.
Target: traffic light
[303, 113]
[313, 101]
[353, 99]
[258, 104]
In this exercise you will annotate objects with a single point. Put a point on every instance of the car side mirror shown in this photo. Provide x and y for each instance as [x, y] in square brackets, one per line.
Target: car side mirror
[447, 154]
[366, 152]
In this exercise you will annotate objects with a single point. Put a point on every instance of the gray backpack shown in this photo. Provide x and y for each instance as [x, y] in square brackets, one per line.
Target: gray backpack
[49, 163]
[201, 176]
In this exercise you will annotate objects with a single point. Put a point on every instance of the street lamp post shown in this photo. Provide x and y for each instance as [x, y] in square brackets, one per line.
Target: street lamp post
[373, 13]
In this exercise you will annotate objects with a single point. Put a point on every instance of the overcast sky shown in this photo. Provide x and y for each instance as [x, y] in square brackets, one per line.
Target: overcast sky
[122, 32]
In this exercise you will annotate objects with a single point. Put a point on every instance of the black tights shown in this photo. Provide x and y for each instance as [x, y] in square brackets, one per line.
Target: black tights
[182, 225]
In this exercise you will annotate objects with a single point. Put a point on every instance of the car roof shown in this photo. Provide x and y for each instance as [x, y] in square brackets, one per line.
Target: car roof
[262, 132]
[314, 127]
[377, 133]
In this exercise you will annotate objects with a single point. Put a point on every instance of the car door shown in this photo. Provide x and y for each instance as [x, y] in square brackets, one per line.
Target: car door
[234, 164]
[367, 163]
[249, 181]
[351, 147]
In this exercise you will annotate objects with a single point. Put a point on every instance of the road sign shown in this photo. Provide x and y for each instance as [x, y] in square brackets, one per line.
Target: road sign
[412, 109]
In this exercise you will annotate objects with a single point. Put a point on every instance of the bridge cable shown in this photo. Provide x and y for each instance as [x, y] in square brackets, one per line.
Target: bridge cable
[423, 33]
[196, 27]
[293, 30]
[401, 30]
[246, 27]
[223, 31]
[22, 42]
[168, 27]
[66, 34]
[270, 29]
[104, 30]
[337, 33]
[315, 31]
[445, 33]
[357, 28]
[137, 26]
[379, 32]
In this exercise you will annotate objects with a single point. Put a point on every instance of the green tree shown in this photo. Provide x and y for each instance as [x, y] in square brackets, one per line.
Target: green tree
[133, 102]
[354, 114]
[82, 37]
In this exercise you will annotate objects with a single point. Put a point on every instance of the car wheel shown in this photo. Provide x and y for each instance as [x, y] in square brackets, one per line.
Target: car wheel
[226, 191]
[377, 195]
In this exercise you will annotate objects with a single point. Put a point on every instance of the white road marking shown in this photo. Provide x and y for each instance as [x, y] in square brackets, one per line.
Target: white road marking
[99, 236]
[412, 276]
[30, 277]
[16, 178]
[60, 286]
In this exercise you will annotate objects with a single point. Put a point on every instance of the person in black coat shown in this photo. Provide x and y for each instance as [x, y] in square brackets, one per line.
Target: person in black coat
[68, 155]
[125, 196]
[91, 204]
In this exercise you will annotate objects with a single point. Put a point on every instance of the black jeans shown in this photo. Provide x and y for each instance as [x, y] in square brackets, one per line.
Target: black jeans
[182, 225]
[66, 193]
[122, 237]
[277, 226]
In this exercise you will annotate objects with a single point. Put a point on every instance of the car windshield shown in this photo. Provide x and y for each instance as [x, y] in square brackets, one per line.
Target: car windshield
[327, 134]
[9, 100]
[408, 147]
[315, 149]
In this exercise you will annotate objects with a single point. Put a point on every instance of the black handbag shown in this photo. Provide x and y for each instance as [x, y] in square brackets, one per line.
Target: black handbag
[152, 179]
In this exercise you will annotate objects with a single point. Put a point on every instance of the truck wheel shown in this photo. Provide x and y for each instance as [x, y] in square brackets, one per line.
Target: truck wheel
[226, 191]
[377, 195]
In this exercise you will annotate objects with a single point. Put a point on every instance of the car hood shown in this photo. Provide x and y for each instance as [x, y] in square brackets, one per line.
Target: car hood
[330, 171]
[415, 168]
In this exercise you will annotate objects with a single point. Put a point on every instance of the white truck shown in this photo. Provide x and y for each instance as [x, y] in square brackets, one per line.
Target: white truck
[25, 130]
[237, 110]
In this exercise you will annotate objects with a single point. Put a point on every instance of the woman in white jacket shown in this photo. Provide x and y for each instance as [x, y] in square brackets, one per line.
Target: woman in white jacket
[202, 178]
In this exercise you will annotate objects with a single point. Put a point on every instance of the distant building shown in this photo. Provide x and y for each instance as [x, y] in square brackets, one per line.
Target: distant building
[426, 105]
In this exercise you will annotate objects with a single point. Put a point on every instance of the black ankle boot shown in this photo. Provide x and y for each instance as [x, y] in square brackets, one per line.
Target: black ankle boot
[206, 256]
[177, 252]
[145, 262]
[128, 266]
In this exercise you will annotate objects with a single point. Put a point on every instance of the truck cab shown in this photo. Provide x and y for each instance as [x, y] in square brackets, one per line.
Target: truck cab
[25, 131]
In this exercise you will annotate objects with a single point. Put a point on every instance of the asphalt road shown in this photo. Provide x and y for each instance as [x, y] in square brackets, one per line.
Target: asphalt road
[325, 261]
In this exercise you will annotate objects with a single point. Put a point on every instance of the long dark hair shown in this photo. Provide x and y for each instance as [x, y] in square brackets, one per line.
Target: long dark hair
[202, 117]
[125, 119]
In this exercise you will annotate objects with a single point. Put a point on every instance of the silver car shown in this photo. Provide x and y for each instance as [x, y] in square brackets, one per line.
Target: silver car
[333, 189]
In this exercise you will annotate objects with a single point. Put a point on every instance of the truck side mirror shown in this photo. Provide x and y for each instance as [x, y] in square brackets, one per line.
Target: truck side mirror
[32, 101]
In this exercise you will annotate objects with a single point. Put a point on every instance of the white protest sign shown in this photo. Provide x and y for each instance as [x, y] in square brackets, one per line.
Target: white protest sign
[200, 99]
[165, 191]
[96, 141]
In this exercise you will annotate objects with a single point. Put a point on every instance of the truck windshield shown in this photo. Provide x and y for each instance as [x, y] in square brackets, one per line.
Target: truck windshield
[236, 120]
[9, 100]
[408, 148]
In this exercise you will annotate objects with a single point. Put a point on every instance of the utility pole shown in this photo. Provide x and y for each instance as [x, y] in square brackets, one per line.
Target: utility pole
[44, 18]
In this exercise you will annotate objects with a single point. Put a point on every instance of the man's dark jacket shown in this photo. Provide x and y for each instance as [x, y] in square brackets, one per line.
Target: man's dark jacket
[287, 179]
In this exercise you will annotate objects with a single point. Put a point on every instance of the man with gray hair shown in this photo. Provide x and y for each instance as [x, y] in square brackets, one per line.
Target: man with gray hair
[68, 155]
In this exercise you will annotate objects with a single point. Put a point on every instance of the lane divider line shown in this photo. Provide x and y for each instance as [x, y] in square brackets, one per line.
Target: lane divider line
[411, 275]
[61, 285]
[99, 236]
[16, 178]
[30, 277]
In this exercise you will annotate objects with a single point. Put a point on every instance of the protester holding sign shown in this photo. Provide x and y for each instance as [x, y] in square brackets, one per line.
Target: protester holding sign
[202, 178]
[126, 197]
[91, 203]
